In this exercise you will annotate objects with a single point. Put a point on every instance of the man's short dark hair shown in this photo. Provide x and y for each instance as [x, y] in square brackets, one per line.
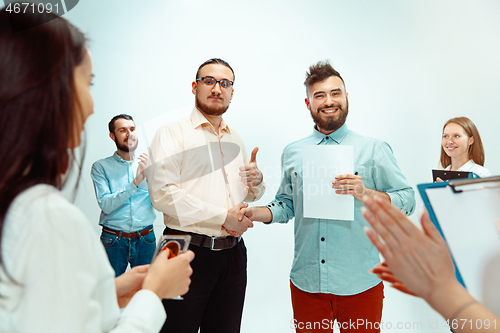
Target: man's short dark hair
[318, 72]
[111, 124]
[213, 61]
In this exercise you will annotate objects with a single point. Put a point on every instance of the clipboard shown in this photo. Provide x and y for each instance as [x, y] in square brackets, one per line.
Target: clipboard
[449, 175]
[464, 212]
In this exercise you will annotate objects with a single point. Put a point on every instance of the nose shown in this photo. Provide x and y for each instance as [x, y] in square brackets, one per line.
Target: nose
[328, 100]
[217, 88]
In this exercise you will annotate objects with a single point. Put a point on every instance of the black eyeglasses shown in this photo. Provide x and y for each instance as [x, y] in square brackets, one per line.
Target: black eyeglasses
[210, 81]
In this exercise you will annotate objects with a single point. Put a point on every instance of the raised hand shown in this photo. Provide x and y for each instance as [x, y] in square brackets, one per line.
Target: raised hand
[143, 161]
[420, 260]
[383, 272]
[249, 173]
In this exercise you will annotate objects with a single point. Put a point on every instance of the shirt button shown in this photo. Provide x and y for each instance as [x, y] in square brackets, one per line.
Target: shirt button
[295, 173]
[323, 261]
[322, 239]
[326, 137]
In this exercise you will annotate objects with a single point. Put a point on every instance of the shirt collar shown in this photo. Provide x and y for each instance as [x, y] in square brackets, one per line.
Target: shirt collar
[336, 136]
[198, 119]
[121, 160]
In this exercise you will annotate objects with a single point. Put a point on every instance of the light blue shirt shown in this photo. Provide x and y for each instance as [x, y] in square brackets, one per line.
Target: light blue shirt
[334, 256]
[124, 206]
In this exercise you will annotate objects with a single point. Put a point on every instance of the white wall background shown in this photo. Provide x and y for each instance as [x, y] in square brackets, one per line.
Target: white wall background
[408, 67]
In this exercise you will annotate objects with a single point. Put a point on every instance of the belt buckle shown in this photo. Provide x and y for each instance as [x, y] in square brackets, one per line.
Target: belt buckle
[212, 242]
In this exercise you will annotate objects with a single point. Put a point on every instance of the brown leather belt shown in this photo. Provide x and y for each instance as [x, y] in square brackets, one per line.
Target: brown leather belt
[129, 235]
[213, 243]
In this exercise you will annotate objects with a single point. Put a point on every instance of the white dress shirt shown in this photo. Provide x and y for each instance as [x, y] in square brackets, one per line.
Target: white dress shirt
[65, 281]
[470, 166]
[193, 174]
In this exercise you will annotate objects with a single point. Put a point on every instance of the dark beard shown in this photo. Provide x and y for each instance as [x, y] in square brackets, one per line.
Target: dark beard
[330, 124]
[125, 147]
[211, 111]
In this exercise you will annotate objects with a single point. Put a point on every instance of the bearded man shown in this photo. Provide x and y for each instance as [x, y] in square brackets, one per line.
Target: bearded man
[127, 214]
[200, 178]
[329, 279]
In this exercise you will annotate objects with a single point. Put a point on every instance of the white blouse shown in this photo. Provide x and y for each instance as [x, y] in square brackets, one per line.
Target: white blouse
[471, 166]
[66, 283]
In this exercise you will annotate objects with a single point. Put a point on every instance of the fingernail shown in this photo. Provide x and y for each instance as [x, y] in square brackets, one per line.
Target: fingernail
[367, 214]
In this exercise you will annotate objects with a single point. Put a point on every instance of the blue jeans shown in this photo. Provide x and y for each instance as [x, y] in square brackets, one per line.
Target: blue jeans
[123, 250]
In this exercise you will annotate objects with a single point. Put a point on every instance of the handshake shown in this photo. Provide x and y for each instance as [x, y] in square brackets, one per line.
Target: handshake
[241, 217]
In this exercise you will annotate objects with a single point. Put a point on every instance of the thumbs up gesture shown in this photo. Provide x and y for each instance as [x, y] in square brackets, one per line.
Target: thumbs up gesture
[249, 173]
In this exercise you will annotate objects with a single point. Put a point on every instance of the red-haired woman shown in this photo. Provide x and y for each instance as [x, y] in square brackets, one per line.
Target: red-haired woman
[462, 148]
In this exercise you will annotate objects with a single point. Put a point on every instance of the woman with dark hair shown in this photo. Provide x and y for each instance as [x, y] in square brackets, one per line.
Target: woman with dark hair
[54, 273]
[462, 148]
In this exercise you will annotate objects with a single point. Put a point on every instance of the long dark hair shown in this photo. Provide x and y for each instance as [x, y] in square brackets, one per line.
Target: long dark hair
[37, 102]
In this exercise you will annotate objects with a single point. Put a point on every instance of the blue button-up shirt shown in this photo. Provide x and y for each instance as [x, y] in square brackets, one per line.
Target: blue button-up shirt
[124, 206]
[334, 256]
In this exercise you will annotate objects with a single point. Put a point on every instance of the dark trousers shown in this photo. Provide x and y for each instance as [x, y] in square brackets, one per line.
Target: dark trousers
[214, 302]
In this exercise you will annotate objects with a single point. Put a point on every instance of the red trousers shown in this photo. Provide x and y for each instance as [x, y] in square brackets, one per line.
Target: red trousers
[316, 312]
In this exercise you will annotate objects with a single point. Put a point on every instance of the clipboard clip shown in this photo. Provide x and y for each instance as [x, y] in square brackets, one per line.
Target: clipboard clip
[457, 184]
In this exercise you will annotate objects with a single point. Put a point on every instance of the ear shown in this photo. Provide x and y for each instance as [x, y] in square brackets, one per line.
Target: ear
[194, 85]
[471, 141]
[307, 102]
[112, 136]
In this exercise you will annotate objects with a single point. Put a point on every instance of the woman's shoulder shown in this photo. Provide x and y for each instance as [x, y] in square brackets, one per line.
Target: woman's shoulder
[471, 166]
[42, 208]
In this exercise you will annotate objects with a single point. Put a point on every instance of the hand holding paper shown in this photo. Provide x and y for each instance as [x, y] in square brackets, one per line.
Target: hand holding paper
[350, 185]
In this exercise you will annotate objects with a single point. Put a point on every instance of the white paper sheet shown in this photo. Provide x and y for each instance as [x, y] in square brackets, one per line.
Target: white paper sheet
[320, 165]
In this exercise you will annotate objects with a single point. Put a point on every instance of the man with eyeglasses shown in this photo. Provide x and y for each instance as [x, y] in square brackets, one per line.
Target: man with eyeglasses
[200, 178]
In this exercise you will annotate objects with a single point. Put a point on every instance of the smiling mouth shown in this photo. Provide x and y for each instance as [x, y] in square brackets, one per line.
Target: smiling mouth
[329, 110]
